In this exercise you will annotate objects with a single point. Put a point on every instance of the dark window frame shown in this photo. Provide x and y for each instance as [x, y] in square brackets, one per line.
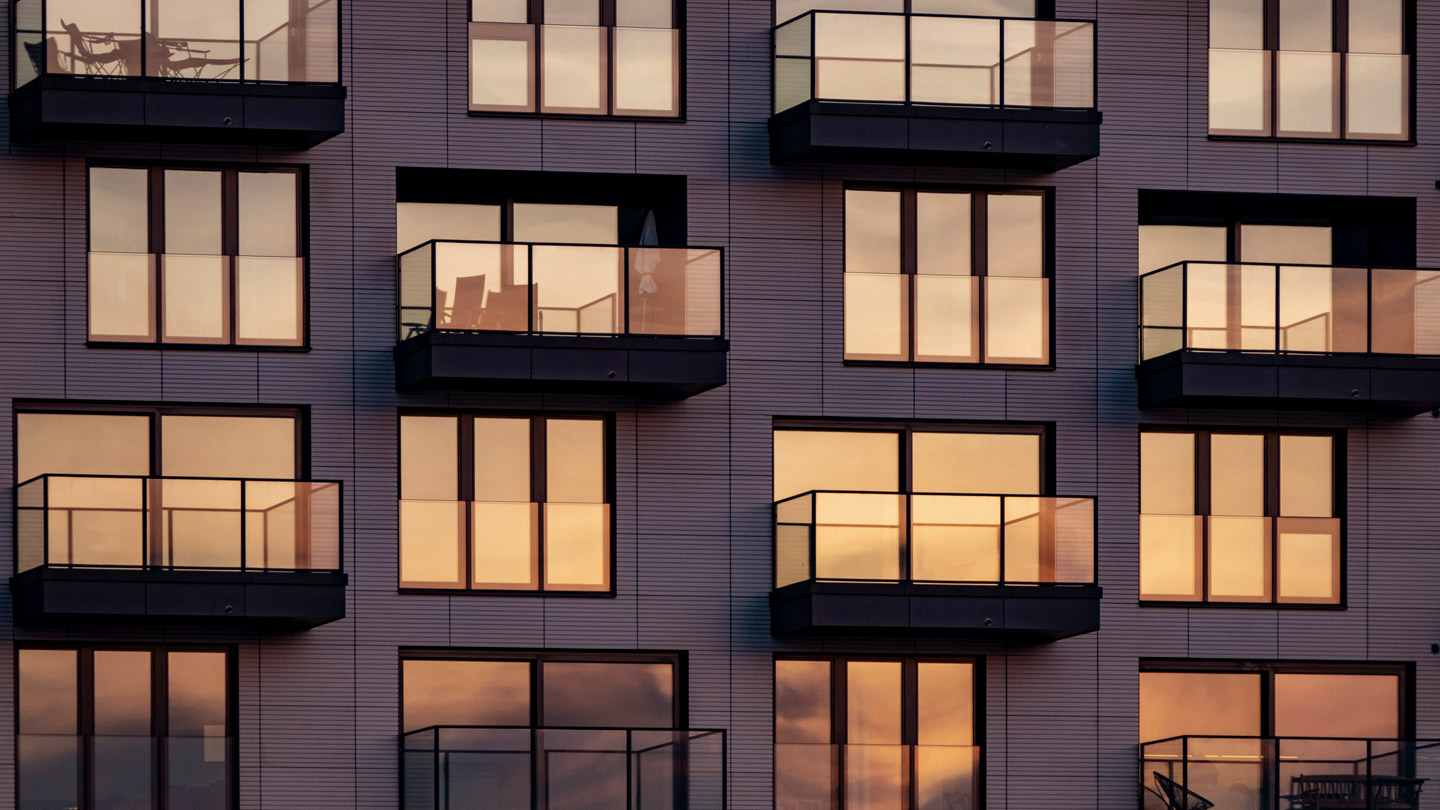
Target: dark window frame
[159, 711]
[1340, 35]
[1338, 492]
[230, 223]
[909, 724]
[1044, 10]
[678, 661]
[465, 483]
[534, 16]
[979, 260]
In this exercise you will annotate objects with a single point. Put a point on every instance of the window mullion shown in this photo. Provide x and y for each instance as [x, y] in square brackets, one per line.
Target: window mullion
[980, 266]
[539, 493]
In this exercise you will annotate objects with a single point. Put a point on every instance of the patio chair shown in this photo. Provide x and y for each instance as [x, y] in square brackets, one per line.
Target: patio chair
[120, 60]
[469, 304]
[1179, 797]
[176, 59]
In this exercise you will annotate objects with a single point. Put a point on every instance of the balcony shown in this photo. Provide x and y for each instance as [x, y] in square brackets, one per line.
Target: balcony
[988, 566]
[594, 318]
[1290, 336]
[815, 775]
[873, 87]
[518, 768]
[218, 551]
[1289, 773]
[251, 72]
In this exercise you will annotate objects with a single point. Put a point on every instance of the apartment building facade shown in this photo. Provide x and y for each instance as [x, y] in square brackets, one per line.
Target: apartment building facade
[668, 404]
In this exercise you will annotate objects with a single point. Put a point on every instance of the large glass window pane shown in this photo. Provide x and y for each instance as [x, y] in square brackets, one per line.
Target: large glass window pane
[1285, 244]
[947, 318]
[429, 458]
[122, 296]
[616, 695]
[122, 692]
[81, 444]
[431, 518]
[1307, 95]
[976, 463]
[835, 460]
[196, 292]
[93, 37]
[1306, 25]
[228, 446]
[1308, 560]
[502, 67]
[802, 702]
[269, 300]
[1167, 473]
[574, 76]
[575, 461]
[420, 222]
[193, 220]
[873, 702]
[505, 521]
[1199, 703]
[267, 214]
[954, 60]
[188, 40]
[1017, 319]
[197, 694]
[566, 224]
[647, 71]
[1239, 559]
[1307, 473]
[119, 210]
[465, 693]
[1237, 474]
[1164, 245]
[49, 696]
[860, 57]
[877, 317]
[876, 303]
[1015, 235]
[1237, 24]
[1377, 96]
[1170, 553]
[1335, 705]
[502, 459]
[577, 546]
[510, 11]
[945, 703]
[872, 231]
[942, 233]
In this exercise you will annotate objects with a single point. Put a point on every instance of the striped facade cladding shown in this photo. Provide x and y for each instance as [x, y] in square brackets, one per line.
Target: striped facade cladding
[319, 709]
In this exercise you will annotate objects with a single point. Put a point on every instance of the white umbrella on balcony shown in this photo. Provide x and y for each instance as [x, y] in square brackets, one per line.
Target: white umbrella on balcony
[645, 266]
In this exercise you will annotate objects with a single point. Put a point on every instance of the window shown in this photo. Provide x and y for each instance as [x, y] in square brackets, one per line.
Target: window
[1311, 68]
[196, 256]
[575, 57]
[505, 502]
[1240, 516]
[946, 277]
[125, 727]
[859, 733]
[1240, 242]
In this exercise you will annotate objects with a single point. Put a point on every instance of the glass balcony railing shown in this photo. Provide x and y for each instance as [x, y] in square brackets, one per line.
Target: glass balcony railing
[940, 539]
[817, 775]
[1289, 773]
[224, 524]
[123, 770]
[516, 768]
[934, 59]
[561, 289]
[1289, 309]
[290, 41]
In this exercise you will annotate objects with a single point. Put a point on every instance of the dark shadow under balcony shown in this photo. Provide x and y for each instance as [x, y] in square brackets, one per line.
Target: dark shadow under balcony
[250, 72]
[1289, 773]
[592, 318]
[866, 563]
[1290, 336]
[522, 768]
[933, 89]
[214, 551]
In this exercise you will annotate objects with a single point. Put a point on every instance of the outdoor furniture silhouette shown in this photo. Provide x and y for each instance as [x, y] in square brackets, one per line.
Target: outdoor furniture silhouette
[1349, 792]
[1179, 797]
[122, 58]
[469, 302]
[177, 59]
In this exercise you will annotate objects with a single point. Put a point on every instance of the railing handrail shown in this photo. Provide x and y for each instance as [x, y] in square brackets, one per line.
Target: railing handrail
[813, 11]
[1221, 263]
[183, 478]
[810, 492]
[430, 242]
[1417, 740]
[442, 727]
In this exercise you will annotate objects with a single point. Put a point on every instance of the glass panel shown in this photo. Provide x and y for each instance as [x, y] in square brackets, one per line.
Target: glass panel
[575, 461]
[976, 8]
[1325, 705]
[465, 693]
[644, 14]
[198, 771]
[1162, 317]
[675, 291]
[429, 458]
[647, 71]
[269, 306]
[96, 521]
[806, 775]
[1212, 319]
[200, 523]
[860, 57]
[1377, 96]
[837, 460]
[502, 67]
[1305, 25]
[1308, 560]
[1016, 235]
[954, 60]
[48, 771]
[859, 536]
[511, 11]
[1377, 26]
[82, 444]
[1240, 92]
[1307, 473]
[122, 693]
[431, 550]
[196, 292]
[976, 463]
[577, 289]
[30, 44]
[228, 446]
[872, 701]
[1237, 24]
[945, 703]
[193, 221]
[872, 231]
[119, 210]
[92, 37]
[49, 692]
[495, 299]
[955, 539]
[574, 74]
[946, 776]
[788, 9]
[1164, 245]
[193, 41]
[566, 224]
[268, 219]
[577, 546]
[1199, 703]
[875, 776]
[122, 296]
[507, 545]
[1239, 559]
[123, 768]
[1402, 319]
[1017, 317]
[1237, 474]
[1285, 244]
[947, 316]
[877, 317]
[197, 694]
[618, 695]
[420, 222]
[802, 702]
[793, 65]
[502, 459]
[1170, 548]
[1049, 64]
[942, 233]
[1308, 94]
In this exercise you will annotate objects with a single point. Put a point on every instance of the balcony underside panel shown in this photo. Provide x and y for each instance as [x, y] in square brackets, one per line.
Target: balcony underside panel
[836, 132]
[1399, 385]
[667, 367]
[93, 108]
[1025, 613]
[291, 600]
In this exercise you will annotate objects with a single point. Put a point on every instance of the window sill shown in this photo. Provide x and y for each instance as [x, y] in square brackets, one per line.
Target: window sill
[404, 591]
[1159, 603]
[957, 366]
[624, 119]
[212, 347]
[1328, 141]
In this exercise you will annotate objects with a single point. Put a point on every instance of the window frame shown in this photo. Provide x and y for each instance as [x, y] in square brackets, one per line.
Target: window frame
[465, 484]
[979, 261]
[159, 710]
[230, 223]
[1338, 493]
[1340, 35]
[534, 15]
[536, 659]
[909, 666]
[299, 414]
